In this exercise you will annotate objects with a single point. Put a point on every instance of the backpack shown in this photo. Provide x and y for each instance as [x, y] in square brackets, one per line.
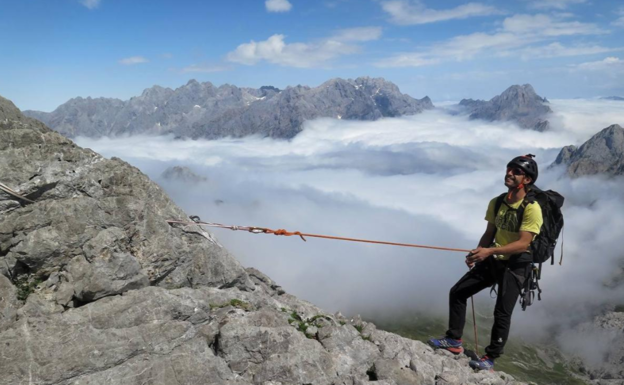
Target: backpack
[543, 246]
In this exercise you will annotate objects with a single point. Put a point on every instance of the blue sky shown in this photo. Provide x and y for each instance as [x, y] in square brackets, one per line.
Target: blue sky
[448, 50]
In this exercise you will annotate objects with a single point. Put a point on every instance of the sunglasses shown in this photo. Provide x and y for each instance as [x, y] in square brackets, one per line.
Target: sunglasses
[515, 171]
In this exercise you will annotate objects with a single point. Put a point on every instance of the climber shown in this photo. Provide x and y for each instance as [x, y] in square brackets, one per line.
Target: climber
[502, 258]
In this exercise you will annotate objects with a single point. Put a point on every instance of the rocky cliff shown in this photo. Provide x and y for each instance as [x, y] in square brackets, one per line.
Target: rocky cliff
[201, 110]
[607, 332]
[603, 153]
[97, 288]
[517, 103]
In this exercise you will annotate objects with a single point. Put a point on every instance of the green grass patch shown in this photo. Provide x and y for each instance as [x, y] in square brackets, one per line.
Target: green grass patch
[234, 302]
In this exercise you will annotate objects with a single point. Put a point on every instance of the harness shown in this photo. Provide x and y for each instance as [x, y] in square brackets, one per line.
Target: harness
[529, 284]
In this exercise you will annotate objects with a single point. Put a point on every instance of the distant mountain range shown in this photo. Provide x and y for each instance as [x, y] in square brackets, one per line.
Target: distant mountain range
[618, 98]
[201, 110]
[517, 103]
[603, 153]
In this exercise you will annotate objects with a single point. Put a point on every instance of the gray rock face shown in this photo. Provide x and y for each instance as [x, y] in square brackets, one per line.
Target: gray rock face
[201, 110]
[603, 153]
[518, 103]
[98, 226]
[97, 288]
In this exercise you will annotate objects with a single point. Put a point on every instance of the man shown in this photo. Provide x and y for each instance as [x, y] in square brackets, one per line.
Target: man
[502, 258]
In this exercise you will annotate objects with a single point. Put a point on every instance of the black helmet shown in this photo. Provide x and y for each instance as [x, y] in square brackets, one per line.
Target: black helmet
[527, 164]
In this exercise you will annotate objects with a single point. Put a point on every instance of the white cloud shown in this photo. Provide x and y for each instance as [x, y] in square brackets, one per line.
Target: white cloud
[200, 68]
[358, 34]
[414, 12]
[554, 4]
[559, 50]
[91, 4]
[277, 5]
[133, 60]
[302, 55]
[607, 64]
[547, 26]
[516, 32]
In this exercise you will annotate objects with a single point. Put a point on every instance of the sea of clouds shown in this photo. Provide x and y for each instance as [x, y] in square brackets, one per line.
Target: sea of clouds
[423, 179]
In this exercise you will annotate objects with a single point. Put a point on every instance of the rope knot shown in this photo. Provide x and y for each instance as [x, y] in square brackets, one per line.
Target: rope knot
[287, 233]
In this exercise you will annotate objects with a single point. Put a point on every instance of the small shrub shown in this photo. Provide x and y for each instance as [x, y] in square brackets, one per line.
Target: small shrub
[240, 304]
[295, 316]
[25, 287]
[303, 326]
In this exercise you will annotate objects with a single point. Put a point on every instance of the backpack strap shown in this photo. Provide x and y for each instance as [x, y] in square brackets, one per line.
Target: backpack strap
[499, 202]
[519, 211]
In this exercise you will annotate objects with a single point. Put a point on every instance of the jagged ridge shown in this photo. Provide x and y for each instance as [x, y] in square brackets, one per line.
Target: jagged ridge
[201, 110]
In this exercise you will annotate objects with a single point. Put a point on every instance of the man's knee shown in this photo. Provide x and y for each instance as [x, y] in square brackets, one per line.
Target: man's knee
[458, 294]
[502, 313]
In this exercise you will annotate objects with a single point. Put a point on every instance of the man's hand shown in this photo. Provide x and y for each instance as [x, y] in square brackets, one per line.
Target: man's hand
[477, 255]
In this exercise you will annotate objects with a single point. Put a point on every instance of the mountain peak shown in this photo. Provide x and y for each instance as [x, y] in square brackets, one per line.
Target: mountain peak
[518, 103]
[524, 92]
[8, 111]
[603, 153]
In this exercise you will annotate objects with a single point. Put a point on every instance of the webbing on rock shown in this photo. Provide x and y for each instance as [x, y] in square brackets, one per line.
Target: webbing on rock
[9, 191]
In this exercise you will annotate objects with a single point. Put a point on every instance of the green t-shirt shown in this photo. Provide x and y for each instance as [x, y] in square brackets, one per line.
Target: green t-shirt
[506, 222]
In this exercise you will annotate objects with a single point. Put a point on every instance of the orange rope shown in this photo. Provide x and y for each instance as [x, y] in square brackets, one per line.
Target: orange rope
[303, 235]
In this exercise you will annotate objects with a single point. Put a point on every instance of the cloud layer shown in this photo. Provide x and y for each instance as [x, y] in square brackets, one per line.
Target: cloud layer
[424, 179]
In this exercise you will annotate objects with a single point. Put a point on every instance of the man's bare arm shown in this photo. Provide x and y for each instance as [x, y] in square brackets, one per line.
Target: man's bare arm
[519, 246]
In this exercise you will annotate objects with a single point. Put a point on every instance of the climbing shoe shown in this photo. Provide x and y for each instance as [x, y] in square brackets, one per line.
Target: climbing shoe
[484, 363]
[452, 345]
